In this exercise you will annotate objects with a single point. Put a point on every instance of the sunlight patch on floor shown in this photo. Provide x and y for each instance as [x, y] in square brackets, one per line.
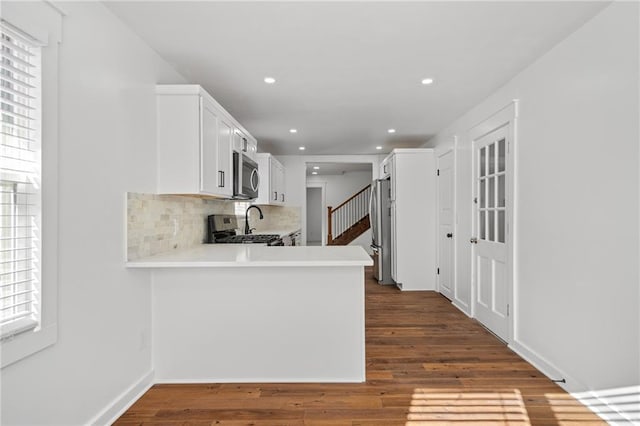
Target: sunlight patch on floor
[433, 406]
[618, 406]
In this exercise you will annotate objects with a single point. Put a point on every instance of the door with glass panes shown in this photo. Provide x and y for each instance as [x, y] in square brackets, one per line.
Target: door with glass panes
[490, 244]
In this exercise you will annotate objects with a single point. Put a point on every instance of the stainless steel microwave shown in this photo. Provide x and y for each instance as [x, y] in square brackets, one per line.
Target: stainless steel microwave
[245, 177]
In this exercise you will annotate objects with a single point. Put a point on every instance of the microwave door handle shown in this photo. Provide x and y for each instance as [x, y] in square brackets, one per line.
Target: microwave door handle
[254, 174]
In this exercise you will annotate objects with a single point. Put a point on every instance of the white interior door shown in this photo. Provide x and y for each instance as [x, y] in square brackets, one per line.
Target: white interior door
[445, 225]
[492, 290]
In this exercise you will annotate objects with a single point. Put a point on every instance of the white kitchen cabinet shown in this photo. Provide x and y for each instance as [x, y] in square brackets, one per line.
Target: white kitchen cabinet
[413, 217]
[245, 143]
[394, 243]
[272, 181]
[387, 169]
[195, 142]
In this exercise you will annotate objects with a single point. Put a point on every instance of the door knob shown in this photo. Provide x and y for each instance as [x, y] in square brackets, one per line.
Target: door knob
[449, 235]
[473, 240]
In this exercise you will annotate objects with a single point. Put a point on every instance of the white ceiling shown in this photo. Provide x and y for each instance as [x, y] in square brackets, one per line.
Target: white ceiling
[325, 169]
[348, 71]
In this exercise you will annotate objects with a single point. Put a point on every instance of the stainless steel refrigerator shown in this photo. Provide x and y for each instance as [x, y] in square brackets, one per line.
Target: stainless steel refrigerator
[380, 218]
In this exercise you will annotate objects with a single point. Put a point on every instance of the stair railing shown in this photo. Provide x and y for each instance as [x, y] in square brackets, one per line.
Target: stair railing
[347, 214]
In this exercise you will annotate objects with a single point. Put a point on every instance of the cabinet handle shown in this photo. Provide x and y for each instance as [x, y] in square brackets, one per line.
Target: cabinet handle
[275, 195]
[221, 179]
[282, 196]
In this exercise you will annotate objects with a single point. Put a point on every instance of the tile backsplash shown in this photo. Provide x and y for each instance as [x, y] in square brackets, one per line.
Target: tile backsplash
[161, 223]
[275, 217]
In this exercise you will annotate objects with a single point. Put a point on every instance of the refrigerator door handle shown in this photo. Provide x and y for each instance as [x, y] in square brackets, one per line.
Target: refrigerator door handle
[372, 219]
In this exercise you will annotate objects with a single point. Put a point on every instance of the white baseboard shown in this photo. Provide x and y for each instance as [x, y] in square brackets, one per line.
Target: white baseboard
[125, 400]
[462, 307]
[260, 380]
[546, 367]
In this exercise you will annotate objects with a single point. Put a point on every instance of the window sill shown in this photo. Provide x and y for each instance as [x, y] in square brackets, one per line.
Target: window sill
[25, 344]
[11, 330]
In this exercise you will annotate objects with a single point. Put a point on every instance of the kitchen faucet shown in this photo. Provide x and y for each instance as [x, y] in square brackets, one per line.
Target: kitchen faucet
[247, 230]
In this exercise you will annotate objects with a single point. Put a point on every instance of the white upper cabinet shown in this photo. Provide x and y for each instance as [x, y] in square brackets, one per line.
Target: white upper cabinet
[245, 143]
[272, 181]
[196, 138]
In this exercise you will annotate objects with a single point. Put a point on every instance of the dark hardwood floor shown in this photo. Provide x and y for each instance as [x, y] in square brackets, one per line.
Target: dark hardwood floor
[427, 364]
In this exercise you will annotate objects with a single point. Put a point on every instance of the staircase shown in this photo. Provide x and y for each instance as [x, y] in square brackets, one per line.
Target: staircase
[350, 219]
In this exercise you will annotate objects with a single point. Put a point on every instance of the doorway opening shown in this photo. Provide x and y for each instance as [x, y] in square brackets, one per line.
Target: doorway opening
[315, 209]
[331, 184]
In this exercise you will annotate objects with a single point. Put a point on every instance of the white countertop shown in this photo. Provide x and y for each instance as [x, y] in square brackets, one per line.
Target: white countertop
[249, 255]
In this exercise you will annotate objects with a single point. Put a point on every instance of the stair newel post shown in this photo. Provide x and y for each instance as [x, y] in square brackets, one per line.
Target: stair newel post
[329, 226]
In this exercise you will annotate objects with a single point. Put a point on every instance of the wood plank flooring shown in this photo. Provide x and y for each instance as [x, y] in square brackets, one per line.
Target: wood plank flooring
[427, 364]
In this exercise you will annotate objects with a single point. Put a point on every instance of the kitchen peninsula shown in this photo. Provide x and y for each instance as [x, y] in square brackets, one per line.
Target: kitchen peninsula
[252, 313]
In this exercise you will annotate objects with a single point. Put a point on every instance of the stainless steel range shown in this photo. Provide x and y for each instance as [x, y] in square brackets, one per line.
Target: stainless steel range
[222, 229]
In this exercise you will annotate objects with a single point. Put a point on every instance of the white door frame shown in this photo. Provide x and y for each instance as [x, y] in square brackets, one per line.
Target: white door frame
[507, 116]
[454, 214]
[323, 191]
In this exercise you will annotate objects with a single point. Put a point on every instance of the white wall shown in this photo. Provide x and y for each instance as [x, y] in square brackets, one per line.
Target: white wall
[107, 147]
[577, 292]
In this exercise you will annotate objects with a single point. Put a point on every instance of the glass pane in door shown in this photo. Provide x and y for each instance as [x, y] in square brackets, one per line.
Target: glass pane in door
[501, 226]
[492, 192]
[483, 162]
[481, 225]
[491, 226]
[501, 183]
[483, 199]
[501, 155]
[492, 158]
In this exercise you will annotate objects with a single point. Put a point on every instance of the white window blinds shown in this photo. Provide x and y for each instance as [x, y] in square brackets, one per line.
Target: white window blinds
[19, 182]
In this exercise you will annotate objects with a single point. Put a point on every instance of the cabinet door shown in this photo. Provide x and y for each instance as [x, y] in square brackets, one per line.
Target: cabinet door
[208, 147]
[274, 183]
[384, 168]
[240, 141]
[252, 148]
[225, 158]
[281, 184]
[393, 172]
[394, 243]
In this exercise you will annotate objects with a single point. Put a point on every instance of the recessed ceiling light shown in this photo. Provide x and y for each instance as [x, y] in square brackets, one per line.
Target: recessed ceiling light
[269, 80]
[301, 148]
[316, 168]
[391, 131]
[314, 173]
[378, 147]
[293, 130]
[427, 81]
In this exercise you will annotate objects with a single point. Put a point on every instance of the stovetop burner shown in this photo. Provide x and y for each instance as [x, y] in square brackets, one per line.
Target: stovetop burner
[222, 230]
[248, 239]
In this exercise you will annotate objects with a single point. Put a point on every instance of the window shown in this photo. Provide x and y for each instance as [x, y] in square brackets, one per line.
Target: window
[19, 182]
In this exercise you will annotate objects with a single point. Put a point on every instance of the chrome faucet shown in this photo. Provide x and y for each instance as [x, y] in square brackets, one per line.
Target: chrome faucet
[248, 230]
